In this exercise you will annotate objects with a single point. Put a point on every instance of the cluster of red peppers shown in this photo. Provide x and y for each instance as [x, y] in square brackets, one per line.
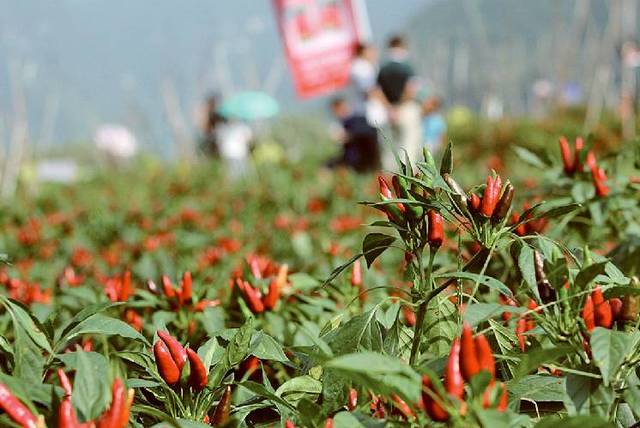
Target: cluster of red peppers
[182, 296]
[496, 199]
[253, 296]
[171, 357]
[399, 212]
[572, 164]
[529, 226]
[598, 312]
[468, 357]
[116, 416]
[24, 291]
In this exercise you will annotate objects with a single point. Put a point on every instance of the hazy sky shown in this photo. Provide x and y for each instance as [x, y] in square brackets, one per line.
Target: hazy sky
[92, 61]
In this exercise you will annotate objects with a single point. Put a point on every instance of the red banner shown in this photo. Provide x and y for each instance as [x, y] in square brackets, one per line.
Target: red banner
[319, 38]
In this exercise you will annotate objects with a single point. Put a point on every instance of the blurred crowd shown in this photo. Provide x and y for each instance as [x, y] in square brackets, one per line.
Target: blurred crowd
[386, 109]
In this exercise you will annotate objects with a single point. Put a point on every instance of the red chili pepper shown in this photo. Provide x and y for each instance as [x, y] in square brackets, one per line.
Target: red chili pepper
[590, 160]
[198, 376]
[474, 203]
[186, 288]
[385, 193]
[253, 298]
[223, 409]
[356, 274]
[490, 196]
[469, 364]
[169, 292]
[436, 229]
[65, 382]
[485, 355]
[521, 328]
[177, 351]
[126, 289]
[506, 315]
[521, 229]
[17, 411]
[565, 152]
[66, 414]
[599, 178]
[117, 415]
[353, 399]
[602, 309]
[432, 407]
[453, 381]
[328, 423]
[588, 314]
[289, 424]
[403, 407]
[504, 399]
[166, 365]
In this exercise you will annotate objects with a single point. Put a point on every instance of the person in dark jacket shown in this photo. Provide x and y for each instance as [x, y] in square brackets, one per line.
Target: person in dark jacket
[359, 139]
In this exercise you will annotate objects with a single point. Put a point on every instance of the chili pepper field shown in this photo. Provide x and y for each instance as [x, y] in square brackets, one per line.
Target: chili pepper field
[444, 293]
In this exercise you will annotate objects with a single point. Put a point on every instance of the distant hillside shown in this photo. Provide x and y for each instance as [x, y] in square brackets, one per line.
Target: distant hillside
[470, 48]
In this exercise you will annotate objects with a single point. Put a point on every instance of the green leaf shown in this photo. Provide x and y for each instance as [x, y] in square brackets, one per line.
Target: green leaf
[347, 420]
[91, 389]
[527, 267]
[101, 324]
[298, 388]
[83, 315]
[482, 279]
[446, 166]
[538, 356]
[380, 373]
[360, 332]
[538, 388]
[588, 274]
[529, 157]
[610, 349]
[337, 271]
[266, 347]
[574, 422]
[375, 244]
[441, 325]
[560, 211]
[588, 396]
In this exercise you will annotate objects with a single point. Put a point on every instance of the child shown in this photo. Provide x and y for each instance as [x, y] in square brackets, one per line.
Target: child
[434, 126]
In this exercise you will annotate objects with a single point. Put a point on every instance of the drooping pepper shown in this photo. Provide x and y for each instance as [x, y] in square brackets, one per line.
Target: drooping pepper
[469, 363]
[565, 152]
[66, 413]
[431, 405]
[198, 375]
[436, 229]
[395, 212]
[504, 203]
[588, 314]
[166, 365]
[18, 412]
[178, 353]
[352, 403]
[117, 416]
[223, 409]
[490, 196]
[485, 355]
[453, 381]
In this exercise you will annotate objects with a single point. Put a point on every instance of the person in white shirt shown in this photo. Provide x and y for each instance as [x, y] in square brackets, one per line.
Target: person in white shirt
[366, 98]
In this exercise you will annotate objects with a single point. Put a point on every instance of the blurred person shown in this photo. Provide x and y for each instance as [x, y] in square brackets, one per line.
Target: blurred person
[397, 82]
[366, 97]
[115, 143]
[434, 127]
[210, 125]
[234, 144]
[358, 138]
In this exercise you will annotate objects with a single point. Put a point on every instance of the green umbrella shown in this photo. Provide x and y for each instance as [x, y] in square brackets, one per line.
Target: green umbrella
[250, 106]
